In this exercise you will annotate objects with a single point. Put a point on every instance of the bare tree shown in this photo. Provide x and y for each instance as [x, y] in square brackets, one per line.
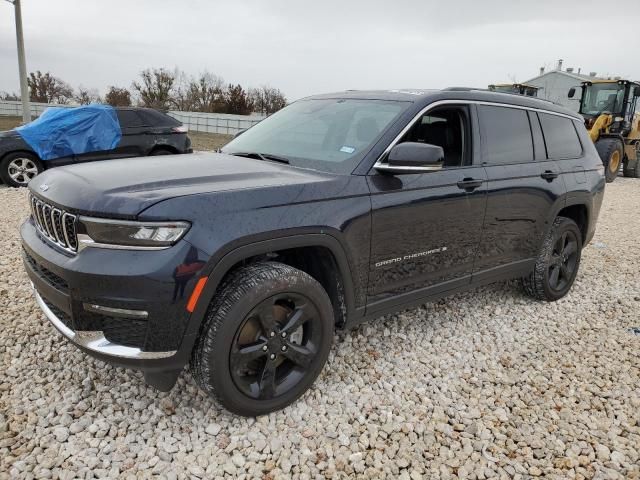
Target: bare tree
[267, 100]
[118, 97]
[237, 100]
[180, 93]
[156, 88]
[46, 88]
[14, 97]
[206, 93]
[86, 96]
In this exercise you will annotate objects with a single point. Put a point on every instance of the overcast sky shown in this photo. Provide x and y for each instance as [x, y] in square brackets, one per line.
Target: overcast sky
[306, 47]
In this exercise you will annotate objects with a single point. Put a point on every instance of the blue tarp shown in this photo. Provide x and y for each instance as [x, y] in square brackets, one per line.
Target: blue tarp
[61, 132]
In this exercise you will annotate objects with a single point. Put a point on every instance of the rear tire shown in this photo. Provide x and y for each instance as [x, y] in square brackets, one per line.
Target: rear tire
[611, 154]
[557, 263]
[265, 339]
[17, 169]
[161, 151]
[632, 167]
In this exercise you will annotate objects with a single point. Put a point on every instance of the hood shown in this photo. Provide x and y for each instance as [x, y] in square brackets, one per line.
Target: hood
[123, 188]
[9, 134]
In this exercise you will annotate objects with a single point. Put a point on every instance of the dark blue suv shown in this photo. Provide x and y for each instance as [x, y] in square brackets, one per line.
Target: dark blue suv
[336, 209]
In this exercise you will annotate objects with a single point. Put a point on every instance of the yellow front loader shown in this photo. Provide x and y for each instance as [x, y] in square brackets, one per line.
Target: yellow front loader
[610, 112]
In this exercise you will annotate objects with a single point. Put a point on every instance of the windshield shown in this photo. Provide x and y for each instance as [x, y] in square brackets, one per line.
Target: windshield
[330, 135]
[602, 97]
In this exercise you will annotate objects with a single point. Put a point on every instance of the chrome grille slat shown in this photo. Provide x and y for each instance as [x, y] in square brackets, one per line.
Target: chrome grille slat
[46, 213]
[54, 224]
[56, 219]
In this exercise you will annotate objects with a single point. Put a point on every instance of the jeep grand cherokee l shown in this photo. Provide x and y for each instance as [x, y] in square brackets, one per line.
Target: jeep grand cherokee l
[334, 210]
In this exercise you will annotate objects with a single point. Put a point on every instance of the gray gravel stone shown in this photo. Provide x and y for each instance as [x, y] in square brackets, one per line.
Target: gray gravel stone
[485, 384]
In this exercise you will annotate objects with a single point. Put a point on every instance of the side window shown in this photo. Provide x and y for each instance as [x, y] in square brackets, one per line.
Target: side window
[447, 128]
[560, 136]
[130, 118]
[506, 135]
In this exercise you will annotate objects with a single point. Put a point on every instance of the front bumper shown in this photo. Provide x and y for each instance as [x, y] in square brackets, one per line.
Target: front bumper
[95, 341]
[121, 280]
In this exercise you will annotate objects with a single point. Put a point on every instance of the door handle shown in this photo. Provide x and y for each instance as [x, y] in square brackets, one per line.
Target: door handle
[549, 175]
[469, 184]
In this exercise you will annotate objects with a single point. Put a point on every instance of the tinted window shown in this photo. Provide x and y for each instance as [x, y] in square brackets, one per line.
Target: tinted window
[506, 135]
[154, 118]
[560, 136]
[446, 128]
[130, 118]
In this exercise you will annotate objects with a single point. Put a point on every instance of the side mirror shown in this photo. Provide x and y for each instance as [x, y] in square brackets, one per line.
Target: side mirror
[572, 92]
[413, 157]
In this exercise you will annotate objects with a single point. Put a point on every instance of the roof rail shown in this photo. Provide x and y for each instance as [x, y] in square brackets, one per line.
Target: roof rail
[471, 89]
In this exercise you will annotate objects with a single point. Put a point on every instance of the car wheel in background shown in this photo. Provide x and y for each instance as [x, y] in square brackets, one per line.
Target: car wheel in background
[17, 169]
[557, 263]
[161, 151]
[265, 339]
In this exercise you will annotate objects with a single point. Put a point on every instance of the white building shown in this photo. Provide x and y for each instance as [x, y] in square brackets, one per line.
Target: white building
[555, 84]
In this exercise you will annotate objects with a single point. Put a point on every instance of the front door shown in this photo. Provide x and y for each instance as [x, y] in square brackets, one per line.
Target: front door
[426, 226]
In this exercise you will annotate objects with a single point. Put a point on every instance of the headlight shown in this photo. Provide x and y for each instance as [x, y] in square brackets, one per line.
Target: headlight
[99, 232]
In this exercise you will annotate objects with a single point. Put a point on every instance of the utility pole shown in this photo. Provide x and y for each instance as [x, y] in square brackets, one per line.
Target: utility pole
[22, 64]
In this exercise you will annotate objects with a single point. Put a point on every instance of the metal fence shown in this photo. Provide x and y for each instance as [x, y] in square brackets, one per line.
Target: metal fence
[194, 121]
[215, 122]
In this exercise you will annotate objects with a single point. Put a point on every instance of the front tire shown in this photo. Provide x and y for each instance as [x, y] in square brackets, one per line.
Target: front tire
[266, 337]
[611, 154]
[557, 263]
[17, 169]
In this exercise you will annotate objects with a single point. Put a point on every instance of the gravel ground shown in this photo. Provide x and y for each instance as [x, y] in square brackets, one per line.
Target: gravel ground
[484, 384]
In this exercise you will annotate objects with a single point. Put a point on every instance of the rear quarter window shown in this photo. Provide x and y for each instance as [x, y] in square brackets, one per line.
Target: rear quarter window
[130, 118]
[506, 135]
[158, 119]
[560, 136]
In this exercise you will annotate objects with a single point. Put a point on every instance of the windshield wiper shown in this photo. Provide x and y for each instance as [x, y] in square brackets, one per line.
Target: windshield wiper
[262, 156]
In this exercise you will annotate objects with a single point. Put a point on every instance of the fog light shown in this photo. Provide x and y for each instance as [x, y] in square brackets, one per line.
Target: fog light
[115, 312]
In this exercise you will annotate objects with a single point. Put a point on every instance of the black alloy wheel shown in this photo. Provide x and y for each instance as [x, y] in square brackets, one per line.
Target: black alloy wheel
[563, 261]
[274, 346]
[558, 261]
[266, 337]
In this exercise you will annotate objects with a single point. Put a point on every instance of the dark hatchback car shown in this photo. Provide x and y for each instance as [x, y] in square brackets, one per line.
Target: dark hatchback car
[144, 132]
[336, 209]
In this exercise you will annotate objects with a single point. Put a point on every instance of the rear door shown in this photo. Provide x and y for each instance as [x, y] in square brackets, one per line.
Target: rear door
[426, 226]
[136, 134]
[564, 146]
[523, 186]
[134, 142]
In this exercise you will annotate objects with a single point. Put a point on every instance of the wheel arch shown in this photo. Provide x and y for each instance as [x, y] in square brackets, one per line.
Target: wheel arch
[23, 150]
[294, 250]
[163, 146]
[579, 213]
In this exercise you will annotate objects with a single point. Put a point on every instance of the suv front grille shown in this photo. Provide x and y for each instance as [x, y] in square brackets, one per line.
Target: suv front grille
[54, 224]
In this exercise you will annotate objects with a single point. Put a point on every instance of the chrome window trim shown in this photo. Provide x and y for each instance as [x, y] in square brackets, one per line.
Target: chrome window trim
[379, 165]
